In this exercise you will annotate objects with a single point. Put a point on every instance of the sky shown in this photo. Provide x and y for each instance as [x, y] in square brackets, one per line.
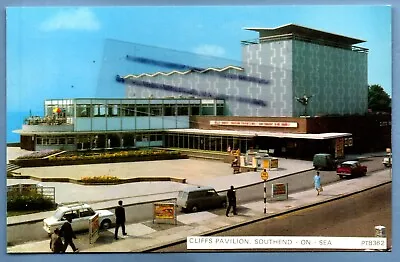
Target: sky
[62, 52]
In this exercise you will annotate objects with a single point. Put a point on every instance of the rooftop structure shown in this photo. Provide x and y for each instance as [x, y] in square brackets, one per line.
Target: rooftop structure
[293, 31]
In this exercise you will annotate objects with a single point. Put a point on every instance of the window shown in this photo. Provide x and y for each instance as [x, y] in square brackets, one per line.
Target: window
[142, 110]
[86, 212]
[169, 110]
[70, 140]
[52, 141]
[195, 110]
[61, 141]
[72, 214]
[113, 110]
[128, 110]
[220, 110]
[156, 110]
[39, 141]
[183, 110]
[83, 111]
[99, 110]
[207, 110]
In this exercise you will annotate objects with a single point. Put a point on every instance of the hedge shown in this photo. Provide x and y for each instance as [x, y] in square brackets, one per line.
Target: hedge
[31, 201]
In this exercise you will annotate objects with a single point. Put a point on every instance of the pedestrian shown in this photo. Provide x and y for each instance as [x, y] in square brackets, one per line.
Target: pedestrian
[56, 244]
[120, 219]
[231, 201]
[317, 183]
[68, 233]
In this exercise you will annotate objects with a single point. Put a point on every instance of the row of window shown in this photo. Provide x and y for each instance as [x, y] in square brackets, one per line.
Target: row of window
[136, 110]
[97, 139]
[146, 110]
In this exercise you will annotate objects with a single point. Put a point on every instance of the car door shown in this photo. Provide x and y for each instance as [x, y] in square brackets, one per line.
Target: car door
[75, 219]
[212, 198]
[84, 217]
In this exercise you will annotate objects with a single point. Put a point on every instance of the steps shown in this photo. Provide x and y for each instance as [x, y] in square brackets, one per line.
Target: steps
[12, 167]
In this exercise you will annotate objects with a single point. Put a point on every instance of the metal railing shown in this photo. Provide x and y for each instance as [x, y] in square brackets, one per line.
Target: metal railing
[48, 120]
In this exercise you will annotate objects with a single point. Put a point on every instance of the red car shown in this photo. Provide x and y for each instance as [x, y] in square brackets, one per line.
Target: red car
[351, 168]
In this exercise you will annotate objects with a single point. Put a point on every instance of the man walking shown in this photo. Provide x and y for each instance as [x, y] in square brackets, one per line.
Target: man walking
[231, 201]
[68, 233]
[56, 244]
[120, 219]
[317, 183]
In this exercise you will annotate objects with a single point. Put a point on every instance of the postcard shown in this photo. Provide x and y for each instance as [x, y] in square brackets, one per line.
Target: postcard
[187, 128]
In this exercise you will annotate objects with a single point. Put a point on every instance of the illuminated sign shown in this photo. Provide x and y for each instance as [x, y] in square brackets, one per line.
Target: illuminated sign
[252, 123]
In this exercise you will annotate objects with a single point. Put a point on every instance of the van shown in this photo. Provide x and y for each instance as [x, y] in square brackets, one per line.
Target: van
[324, 162]
[198, 198]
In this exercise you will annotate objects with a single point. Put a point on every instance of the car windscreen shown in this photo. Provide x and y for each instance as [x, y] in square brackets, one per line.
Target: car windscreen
[58, 215]
[183, 195]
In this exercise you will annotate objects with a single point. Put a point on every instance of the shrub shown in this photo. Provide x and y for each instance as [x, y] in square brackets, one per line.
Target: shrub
[100, 179]
[28, 201]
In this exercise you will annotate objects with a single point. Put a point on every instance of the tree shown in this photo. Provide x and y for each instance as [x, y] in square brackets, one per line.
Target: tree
[378, 99]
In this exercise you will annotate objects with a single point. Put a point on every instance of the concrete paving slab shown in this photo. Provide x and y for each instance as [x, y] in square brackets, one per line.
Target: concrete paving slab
[195, 217]
[137, 229]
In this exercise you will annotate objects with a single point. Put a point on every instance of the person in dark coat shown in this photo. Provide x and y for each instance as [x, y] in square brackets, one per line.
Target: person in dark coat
[120, 219]
[231, 201]
[68, 233]
[56, 244]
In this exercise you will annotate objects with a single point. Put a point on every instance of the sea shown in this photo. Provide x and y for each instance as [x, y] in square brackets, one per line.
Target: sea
[15, 121]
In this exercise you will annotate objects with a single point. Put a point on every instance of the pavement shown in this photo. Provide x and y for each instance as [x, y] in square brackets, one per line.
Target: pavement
[148, 236]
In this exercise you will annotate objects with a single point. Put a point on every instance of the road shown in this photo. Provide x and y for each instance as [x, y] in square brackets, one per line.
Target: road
[143, 212]
[354, 216]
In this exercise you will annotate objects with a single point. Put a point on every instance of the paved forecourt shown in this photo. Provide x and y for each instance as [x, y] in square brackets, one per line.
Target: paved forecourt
[146, 235]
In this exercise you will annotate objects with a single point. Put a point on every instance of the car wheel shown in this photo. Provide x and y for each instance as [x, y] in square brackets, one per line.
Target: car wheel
[194, 209]
[341, 177]
[105, 224]
[223, 204]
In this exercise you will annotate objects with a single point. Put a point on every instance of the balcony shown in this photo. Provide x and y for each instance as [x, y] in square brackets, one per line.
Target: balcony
[48, 124]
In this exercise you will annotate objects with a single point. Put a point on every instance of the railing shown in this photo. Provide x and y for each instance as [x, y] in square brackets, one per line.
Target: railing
[26, 189]
[48, 120]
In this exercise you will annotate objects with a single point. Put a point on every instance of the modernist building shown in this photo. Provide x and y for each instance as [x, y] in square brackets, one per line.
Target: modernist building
[297, 92]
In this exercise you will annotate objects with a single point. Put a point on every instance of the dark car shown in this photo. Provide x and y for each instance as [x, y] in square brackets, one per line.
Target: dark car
[200, 198]
[324, 162]
[351, 168]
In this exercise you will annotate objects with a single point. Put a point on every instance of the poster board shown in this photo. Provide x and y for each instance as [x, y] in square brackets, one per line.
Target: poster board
[164, 213]
[94, 228]
[280, 191]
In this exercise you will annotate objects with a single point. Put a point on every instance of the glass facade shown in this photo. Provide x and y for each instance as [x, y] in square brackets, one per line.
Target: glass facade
[206, 142]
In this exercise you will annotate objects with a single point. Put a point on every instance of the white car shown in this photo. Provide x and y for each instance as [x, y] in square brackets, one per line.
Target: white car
[387, 161]
[80, 214]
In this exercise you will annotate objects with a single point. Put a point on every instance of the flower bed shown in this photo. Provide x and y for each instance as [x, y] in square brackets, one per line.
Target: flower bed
[112, 155]
[39, 154]
[99, 158]
[100, 180]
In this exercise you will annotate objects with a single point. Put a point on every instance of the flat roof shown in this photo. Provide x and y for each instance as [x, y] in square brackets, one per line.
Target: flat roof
[305, 31]
[249, 133]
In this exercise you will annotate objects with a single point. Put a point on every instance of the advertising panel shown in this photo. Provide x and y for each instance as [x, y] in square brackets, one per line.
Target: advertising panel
[279, 191]
[164, 212]
[94, 228]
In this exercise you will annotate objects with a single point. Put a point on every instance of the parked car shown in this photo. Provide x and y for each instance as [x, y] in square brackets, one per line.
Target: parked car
[351, 168]
[387, 160]
[200, 198]
[80, 214]
[324, 162]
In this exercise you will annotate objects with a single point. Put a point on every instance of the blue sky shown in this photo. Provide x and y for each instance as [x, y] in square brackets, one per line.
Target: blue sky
[61, 52]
